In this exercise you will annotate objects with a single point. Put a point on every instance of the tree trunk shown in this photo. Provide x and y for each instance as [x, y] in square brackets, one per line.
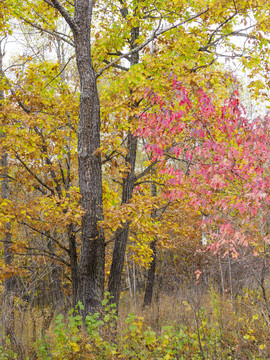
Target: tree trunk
[9, 283]
[57, 295]
[121, 235]
[73, 264]
[92, 256]
[150, 282]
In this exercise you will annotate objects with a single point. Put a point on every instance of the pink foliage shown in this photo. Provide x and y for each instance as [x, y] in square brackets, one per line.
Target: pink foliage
[218, 152]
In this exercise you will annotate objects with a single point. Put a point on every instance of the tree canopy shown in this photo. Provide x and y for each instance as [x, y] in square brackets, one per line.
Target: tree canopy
[123, 130]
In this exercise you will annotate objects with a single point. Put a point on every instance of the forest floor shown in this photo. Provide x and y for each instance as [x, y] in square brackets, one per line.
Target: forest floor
[184, 325]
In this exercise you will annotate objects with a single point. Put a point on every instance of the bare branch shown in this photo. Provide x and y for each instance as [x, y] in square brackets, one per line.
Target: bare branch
[220, 26]
[117, 66]
[44, 253]
[53, 33]
[63, 69]
[145, 171]
[148, 182]
[233, 33]
[196, 68]
[46, 235]
[69, 19]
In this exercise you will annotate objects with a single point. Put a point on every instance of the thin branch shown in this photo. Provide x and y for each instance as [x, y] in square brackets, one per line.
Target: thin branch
[117, 66]
[145, 171]
[49, 255]
[118, 53]
[46, 235]
[196, 68]
[220, 26]
[70, 3]
[62, 172]
[249, 36]
[109, 157]
[16, 65]
[49, 3]
[155, 34]
[178, 159]
[31, 172]
[163, 210]
[43, 252]
[53, 33]
[149, 182]
[62, 70]
[233, 33]
[69, 19]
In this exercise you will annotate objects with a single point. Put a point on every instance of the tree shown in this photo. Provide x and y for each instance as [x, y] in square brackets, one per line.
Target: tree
[225, 163]
[9, 282]
[159, 41]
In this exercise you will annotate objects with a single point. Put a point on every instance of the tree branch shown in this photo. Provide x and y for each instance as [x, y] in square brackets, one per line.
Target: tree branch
[57, 5]
[56, 76]
[53, 33]
[46, 235]
[155, 34]
[233, 33]
[31, 172]
[117, 66]
[145, 171]
[220, 26]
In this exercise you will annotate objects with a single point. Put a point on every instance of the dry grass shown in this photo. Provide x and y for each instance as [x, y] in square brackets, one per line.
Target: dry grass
[241, 325]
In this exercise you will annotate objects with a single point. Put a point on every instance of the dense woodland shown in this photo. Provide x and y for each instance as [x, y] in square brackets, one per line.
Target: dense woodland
[135, 202]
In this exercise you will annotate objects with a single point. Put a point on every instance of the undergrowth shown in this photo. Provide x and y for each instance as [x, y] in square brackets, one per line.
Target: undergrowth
[213, 329]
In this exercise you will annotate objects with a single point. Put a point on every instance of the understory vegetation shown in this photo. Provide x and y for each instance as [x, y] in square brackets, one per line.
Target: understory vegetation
[194, 322]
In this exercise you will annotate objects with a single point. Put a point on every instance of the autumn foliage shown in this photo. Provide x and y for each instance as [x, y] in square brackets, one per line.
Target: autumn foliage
[134, 177]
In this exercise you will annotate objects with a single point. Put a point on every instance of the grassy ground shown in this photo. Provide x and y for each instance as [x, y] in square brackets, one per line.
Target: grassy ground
[185, 325]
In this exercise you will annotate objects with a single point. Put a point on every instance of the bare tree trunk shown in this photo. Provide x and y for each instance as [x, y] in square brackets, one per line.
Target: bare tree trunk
[57, 295]
[222, 278]
[92, 256]
[121, 235]
[73, 264]
[150, 282]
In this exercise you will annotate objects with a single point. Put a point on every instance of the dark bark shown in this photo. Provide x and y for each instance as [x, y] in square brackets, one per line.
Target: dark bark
[150, 282]
[92, 256]
[57, 295]
[121, 235]
[73, 264]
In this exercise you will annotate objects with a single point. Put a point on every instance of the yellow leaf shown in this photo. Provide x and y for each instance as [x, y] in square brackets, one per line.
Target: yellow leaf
[75, 347]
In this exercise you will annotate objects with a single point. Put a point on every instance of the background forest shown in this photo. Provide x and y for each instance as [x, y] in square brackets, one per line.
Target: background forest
[134, 209]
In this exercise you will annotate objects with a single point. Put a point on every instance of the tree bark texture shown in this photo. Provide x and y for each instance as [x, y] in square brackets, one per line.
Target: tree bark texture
[150, 282]
[73, 263]
[121, 235]
[92, 255]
